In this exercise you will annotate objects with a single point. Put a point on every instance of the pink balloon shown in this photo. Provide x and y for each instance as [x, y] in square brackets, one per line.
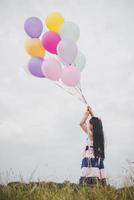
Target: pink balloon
[50, 41]
[52, 69]
[70, 76]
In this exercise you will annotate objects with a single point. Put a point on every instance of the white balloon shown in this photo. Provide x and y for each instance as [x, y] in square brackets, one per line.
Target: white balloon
[80, 61]
[67, 51]
[69, 30]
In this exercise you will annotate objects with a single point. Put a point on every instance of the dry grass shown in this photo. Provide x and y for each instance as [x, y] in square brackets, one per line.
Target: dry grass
[67, 191]
[63, 191]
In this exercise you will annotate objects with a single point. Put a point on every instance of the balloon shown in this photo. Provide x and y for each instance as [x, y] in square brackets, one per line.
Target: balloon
[80, 61]
[50, 41]
[52, 69]
[33, 27]
[70, 76]
[34, 66]
[70, 30]
[67, 51]
[34, 47]
[54, 21]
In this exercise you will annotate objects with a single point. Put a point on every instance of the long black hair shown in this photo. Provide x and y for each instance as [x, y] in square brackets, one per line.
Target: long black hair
[98, 137]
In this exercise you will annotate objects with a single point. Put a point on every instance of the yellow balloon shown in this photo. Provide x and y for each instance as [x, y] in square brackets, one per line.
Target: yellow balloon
[34, 47]
[54, 20]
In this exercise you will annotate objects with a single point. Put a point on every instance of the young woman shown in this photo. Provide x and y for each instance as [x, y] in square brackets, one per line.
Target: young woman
[92, 166]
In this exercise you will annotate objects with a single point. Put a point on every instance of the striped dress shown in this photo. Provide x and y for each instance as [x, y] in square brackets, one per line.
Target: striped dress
[92, 169]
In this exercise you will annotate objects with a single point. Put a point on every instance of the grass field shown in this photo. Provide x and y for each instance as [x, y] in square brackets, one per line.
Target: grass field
[63, 191]
[42, 190]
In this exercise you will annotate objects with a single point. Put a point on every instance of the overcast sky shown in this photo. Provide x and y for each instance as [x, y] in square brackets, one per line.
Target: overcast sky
[39, 122]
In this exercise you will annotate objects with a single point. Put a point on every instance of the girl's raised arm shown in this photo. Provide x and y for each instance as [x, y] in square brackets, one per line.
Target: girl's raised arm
[83, 123]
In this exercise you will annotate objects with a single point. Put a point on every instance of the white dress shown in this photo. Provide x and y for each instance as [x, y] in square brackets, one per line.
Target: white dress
[92, 169]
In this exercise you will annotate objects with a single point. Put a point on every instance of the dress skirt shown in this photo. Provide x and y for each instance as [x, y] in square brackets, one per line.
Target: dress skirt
[92, 169]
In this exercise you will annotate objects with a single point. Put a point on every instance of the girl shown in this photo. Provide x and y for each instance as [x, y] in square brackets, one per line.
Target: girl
[92, 166]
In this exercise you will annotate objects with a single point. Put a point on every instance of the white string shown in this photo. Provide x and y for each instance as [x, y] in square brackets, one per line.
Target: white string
[61, 86]
[77, 89]
[79, 86]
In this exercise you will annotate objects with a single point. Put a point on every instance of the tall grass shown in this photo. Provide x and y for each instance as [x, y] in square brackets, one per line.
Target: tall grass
[67, 191]
[63, 191]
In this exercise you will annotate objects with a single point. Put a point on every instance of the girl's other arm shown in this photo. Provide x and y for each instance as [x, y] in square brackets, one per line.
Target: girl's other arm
[83, 123]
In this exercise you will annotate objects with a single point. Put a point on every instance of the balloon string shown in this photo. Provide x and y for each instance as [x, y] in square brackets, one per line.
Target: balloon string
[79, 93]
[68, 91]
[77, 89]
[72, 93]
[80, 89]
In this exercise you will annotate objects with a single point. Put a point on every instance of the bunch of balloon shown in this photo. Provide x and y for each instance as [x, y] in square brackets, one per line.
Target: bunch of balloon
[63, 62]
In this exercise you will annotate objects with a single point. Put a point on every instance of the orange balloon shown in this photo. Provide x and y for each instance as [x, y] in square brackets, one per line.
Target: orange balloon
[34, 47]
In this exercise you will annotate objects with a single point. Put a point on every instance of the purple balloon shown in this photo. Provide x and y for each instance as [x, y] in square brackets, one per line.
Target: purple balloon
[33, 27]
[34, 66]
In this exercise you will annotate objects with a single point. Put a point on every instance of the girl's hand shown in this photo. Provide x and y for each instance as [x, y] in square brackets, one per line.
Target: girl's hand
[87, 113]
[89, 109]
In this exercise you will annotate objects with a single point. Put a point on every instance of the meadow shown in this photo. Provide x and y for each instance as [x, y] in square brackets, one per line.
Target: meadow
[63, 191]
